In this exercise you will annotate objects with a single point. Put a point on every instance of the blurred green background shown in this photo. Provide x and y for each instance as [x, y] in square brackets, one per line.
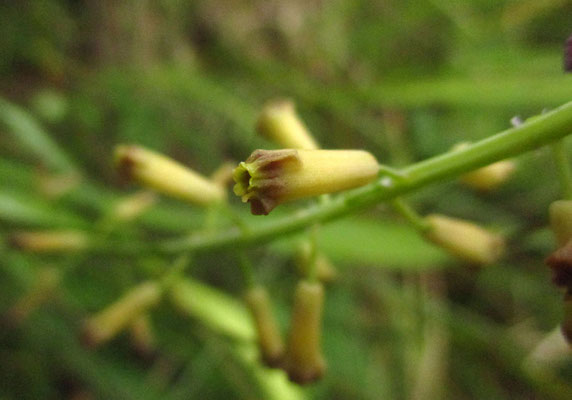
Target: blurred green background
[405, 80]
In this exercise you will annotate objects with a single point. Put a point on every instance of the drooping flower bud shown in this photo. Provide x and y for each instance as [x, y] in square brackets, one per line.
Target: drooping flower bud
[304, 362]
[560, 214]
[489, 177]
[561, 264]
[271, 177]
[464, 239]
[166, 176]
[45, 285]
[49, 241]
[279, 123]
[325, 270]
[142, 335]
[131, 207]
[104, 325]
[269, 338]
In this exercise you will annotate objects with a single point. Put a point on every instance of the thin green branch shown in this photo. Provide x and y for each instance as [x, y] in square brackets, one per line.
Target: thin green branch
[563, 168]
[535, 132]
[409, 214]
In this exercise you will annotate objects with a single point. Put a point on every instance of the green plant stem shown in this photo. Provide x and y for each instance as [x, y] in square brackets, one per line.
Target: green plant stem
[563, 168]
[534, 133]
[410, 214]
[247, 270]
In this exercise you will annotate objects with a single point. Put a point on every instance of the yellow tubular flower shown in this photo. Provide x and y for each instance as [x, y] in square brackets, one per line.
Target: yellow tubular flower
[304, 361]
[166, 176]
[271, 177]
[560, 213]
[464, 239]
[279, 123]
[489, 177]
[109, 322]
[269, 338]
[49, 241]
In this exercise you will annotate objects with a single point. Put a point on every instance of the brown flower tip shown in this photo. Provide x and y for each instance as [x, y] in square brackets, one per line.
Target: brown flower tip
[561, 264]
[259, 179]
[568, 55]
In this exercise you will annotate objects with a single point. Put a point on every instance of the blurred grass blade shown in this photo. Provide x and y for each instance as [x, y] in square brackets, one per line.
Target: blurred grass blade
[31, 135]
[18, 209]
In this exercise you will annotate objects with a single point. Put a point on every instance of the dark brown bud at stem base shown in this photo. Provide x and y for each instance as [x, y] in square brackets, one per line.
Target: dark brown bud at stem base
[269, 338]
[566, 325]
[304, 361]
[568, 55]
[561, 264]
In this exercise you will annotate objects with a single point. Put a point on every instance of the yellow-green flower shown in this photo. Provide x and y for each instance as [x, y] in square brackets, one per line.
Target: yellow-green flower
[271, 177]
[279, 123]
[464, 239]
[166, 176]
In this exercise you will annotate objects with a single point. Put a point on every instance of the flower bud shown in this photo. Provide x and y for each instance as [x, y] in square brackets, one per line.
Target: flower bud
[560, 214]
[325, 270]
[561, 264]
[46, 282]
[103, 326]
[131, 207]
[304, 362]
[279, 123]
[464, 239]
[166, 175]
[271, 177]
[269, 338]
[49, 241]
[489, 177]
[142, 335]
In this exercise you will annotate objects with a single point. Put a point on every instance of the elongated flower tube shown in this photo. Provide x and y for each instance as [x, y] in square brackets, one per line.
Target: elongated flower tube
[279, 123]
[142, 336]
[464, 239]
[489, 177]
[166, 175]
[269, 339]
[560, 213]
[271, 177]
[304, 362]
[104, 325]
[49, 241]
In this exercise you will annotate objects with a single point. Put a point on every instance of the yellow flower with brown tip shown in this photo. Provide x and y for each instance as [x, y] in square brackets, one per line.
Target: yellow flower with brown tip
[271, 177]
[166, 176]
[560, 212]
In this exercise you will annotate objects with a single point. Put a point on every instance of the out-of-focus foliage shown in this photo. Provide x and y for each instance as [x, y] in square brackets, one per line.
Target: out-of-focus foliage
[404, 79]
